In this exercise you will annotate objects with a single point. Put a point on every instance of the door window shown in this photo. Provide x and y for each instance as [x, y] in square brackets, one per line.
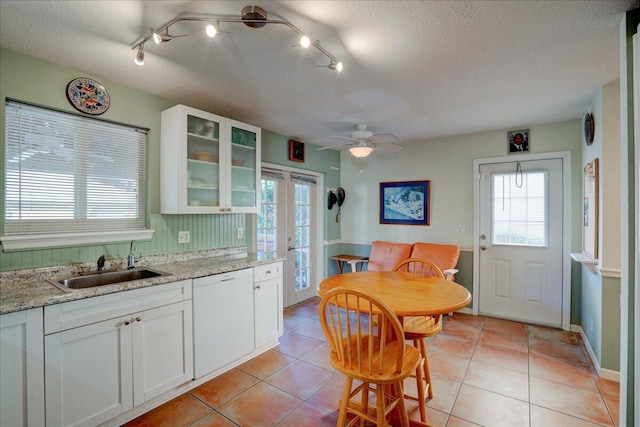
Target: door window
[267, 230]
[519, 215]
[302, 234]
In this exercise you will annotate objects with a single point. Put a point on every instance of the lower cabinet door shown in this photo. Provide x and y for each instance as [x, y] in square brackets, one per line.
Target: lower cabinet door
[21, 369]
[88, 373]
[162, 350]
[266, 311]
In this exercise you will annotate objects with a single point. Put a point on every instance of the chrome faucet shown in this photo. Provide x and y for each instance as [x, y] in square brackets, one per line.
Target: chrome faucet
[101, 263]
[131, 258]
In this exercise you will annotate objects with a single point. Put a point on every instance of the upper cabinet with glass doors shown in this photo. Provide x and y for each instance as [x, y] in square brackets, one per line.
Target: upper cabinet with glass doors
[209, 164]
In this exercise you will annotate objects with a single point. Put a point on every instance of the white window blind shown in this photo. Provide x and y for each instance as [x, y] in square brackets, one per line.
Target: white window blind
[519, 214]
[71, 174]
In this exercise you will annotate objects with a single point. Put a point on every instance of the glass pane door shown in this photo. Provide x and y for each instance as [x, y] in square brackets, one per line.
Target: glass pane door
[203, 162]
[243, 167]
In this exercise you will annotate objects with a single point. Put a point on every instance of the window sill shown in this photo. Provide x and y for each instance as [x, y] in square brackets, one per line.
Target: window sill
[41, 241]
[590, 263]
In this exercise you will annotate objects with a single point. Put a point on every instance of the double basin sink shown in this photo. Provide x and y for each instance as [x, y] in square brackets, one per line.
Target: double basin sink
[91, 280]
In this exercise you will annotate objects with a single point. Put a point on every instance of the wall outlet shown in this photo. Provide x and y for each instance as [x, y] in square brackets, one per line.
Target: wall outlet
[239, 233]
[461, 229]
[184, 236]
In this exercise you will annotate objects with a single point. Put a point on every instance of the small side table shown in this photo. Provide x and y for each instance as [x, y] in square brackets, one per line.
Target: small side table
[352, 260]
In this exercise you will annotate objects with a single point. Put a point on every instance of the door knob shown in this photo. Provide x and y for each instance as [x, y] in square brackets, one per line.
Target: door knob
[290, 248]
[483, 248]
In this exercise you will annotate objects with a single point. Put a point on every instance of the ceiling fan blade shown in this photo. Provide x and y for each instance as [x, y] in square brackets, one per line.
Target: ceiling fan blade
[384, 138]
[338, 146]
[393, 148]
[346, 138]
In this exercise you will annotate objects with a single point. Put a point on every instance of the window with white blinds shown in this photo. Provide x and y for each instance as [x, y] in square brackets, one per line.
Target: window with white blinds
[519, 214]
[66, 173]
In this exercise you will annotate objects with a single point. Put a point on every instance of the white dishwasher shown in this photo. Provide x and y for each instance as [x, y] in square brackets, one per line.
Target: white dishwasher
[223, 325]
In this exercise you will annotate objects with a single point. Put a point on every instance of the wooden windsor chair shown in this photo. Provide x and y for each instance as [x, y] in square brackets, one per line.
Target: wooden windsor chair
[418, 328]
[373, 353]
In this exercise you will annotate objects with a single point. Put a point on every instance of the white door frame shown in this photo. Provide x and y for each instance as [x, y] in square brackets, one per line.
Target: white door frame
[566, 224]
[319, 249]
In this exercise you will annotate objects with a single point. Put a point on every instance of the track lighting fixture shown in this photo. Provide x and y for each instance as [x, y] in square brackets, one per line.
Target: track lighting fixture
[251, 16]
[139, 59]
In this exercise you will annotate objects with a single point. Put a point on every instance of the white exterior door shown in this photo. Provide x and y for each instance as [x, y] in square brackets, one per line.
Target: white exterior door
[288, 225]
[520, 240]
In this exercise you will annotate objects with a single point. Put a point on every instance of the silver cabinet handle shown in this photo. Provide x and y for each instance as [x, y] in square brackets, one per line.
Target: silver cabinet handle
[126, 323]
[257, 287]
[139, 319]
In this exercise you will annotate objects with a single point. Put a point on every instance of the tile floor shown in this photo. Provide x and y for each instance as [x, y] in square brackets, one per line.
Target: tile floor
[486, 372]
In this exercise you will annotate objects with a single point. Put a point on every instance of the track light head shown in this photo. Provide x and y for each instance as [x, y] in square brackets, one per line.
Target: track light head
[212, 30]
[139, 59]
[335, 65]
[161, 38]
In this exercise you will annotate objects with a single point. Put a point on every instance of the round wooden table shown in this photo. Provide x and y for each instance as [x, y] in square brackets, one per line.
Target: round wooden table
[405, 294]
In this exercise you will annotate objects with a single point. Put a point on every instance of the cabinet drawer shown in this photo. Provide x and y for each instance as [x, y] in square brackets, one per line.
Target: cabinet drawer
[267, 271]
[73, 314]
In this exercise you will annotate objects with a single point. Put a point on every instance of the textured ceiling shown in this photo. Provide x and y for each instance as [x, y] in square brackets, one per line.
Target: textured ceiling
[417, 69]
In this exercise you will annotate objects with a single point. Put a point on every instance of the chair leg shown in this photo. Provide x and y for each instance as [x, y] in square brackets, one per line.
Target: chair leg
[344, 402]
[404, 417]
[420, 376]
[364, 400]
[380, 406]
[427, 371]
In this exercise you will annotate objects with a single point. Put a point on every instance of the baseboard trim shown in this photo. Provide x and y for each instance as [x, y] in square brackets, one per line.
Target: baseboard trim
[607, 374]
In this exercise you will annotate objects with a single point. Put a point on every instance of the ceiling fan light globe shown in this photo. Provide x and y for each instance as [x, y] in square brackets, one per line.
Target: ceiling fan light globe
[360, 152]
[305, 42]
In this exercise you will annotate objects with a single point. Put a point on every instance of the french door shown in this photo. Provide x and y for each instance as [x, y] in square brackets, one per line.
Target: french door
[288, 225]
[520, 248]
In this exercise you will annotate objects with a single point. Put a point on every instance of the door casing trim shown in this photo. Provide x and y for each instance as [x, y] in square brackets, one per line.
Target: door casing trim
[565, 156]
[319, 249]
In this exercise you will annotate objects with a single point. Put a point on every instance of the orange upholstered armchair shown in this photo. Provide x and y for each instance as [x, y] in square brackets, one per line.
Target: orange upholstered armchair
[385, 255]
[444, 256]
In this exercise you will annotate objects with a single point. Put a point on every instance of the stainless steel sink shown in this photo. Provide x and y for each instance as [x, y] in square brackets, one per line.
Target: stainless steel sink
[105, 278]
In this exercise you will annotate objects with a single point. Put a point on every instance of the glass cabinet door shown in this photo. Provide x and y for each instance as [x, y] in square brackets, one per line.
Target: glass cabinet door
[244, 155]
[203, 162]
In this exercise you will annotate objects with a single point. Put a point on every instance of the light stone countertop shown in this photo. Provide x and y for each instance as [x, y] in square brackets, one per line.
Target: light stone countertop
[19, 294]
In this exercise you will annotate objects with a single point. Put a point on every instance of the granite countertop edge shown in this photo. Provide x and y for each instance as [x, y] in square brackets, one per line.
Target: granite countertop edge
[16, 297]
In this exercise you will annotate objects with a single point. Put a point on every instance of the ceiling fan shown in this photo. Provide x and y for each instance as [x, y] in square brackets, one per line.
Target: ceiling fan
[364, 142]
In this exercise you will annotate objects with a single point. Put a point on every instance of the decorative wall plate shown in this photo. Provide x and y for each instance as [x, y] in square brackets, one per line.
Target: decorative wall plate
[88, 96]
[589, 129]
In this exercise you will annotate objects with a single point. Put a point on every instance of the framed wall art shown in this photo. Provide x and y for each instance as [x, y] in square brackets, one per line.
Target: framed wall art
[518, 141]
[405, 202]
[296, 151]
[590, 209]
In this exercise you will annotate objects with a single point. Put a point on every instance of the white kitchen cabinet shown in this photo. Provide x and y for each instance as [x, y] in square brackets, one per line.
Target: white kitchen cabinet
[267, 300]
[209, 164]
[98, 366]
[223, 322]
[22, 369]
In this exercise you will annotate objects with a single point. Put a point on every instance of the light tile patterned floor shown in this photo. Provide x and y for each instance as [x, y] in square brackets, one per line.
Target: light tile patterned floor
[486, 372]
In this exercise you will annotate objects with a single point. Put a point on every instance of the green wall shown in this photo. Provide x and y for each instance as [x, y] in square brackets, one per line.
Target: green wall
[32, 80]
